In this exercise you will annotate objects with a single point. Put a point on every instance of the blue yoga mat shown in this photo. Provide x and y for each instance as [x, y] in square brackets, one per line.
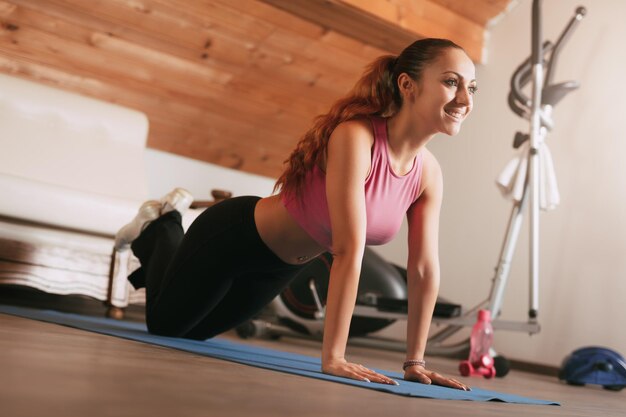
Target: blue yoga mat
[257, 356]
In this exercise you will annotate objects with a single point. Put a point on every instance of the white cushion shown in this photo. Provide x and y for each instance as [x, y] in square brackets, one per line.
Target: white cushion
[64, 207]
[69, 160]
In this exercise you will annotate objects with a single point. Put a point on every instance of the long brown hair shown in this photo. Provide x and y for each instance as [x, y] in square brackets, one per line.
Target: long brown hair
[374, 94]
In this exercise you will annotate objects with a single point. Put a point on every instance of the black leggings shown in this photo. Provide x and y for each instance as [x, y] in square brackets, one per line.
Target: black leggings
[211, 279]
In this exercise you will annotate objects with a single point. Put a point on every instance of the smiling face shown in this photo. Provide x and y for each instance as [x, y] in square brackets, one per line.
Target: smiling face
[443, 96]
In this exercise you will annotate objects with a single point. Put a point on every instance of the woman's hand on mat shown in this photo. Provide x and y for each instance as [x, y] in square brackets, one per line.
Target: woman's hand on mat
[424, 376]
[341, 367]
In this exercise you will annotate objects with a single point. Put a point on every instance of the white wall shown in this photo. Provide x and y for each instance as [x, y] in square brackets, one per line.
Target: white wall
[583, 242]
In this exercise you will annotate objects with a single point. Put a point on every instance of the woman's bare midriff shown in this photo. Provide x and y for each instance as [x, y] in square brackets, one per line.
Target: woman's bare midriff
[282, 234]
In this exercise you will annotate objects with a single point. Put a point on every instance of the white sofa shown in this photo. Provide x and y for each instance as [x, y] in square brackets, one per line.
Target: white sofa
[71, 173]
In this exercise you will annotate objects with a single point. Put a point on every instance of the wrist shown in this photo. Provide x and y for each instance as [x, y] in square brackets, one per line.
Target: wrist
[413, 362]
[331, 363]
[332, 353]
[332, 359]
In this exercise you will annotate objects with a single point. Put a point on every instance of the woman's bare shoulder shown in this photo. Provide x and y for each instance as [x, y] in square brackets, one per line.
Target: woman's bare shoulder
[352, 137]
[431, 171]
[350, 146]
[355, 128]
[429, 160]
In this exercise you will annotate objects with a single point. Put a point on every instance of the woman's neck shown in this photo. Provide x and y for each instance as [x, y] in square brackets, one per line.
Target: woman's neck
[407, 136]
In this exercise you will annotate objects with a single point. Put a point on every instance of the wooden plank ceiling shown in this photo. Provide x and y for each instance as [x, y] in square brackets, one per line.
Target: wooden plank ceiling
[230, 82]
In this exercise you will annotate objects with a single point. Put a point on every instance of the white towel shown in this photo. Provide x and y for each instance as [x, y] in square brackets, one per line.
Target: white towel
[511, 179]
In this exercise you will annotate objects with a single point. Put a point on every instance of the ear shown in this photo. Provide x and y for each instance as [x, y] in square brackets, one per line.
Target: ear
[407, 86]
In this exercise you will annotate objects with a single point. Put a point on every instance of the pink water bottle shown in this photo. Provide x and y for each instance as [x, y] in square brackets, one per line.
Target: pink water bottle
[480, 361]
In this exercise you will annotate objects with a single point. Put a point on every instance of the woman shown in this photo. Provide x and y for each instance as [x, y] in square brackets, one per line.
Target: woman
[349, 183]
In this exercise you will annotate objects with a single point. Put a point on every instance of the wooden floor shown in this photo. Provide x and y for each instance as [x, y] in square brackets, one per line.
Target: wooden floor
[50, 370]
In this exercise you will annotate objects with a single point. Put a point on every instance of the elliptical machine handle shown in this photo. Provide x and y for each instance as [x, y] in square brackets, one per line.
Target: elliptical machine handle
[519, 79]
[517, 109]
[578, 16]
[518, 101]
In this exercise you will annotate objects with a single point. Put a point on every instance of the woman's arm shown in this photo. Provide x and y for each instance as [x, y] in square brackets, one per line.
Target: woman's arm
[347, 166]
[423, 272]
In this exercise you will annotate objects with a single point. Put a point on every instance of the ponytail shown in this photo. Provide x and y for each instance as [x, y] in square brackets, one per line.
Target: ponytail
[372, 95]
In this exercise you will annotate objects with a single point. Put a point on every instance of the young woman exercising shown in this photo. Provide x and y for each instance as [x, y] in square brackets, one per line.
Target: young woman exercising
[348, 183]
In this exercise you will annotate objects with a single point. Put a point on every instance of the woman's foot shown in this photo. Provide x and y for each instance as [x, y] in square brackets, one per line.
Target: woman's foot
[149, 211]
[178, 199]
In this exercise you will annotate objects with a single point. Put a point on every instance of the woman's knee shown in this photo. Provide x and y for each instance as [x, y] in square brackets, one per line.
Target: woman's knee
[160, 327]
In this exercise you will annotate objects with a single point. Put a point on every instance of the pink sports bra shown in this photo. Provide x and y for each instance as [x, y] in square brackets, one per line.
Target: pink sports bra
[387, 196]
